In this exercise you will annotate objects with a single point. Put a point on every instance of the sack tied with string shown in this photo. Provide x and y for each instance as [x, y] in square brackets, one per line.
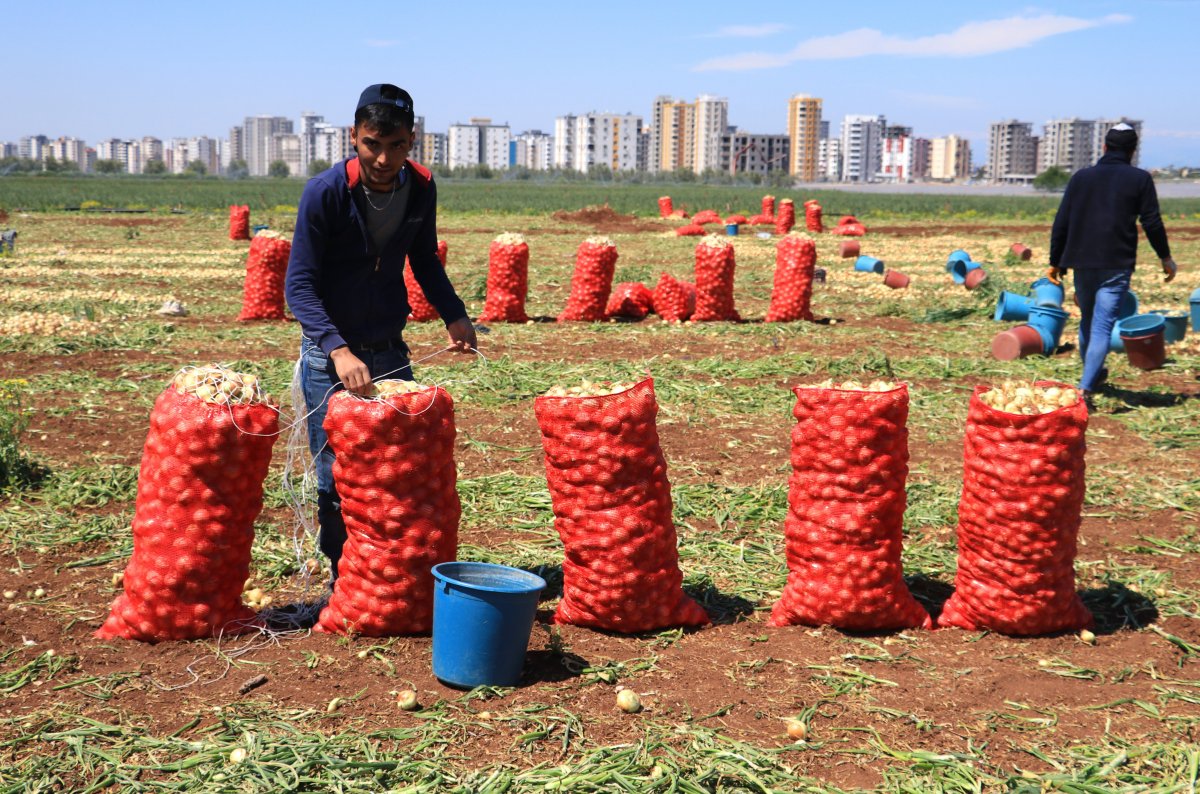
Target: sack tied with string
[266, 268]
[595, 263]
[239, 222]
[630, 299]
[714, 280]
[812, 216]
[768, 209]
[200, 487]
[795, 262]
[846, 501]
[849, 226]
[785, 219]
[420, 309]
[1018, 519]
[395, 475]
[507, 280]
[665, 207]
[612, 509]
[674, 300]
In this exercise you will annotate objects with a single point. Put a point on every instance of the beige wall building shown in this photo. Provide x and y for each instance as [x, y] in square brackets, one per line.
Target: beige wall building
[949, 158]
[804, 131]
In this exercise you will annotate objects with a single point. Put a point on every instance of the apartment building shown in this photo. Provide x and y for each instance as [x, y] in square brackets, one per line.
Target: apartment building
[599, 139]
[534, 150]
[1012, 151]
[949, 158]
[804, 131]
[829, 159]
[711, 123]
[434, 148]
[862, 147]
[258, 133]
[564, 141]
[126, 152]
[479, 142]
[750, 153]
[897, 156]
[285, 147]
[673, 137]
[69, 150]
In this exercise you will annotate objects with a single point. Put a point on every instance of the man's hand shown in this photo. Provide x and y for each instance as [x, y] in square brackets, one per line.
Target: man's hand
[1169, 269]
[1055, 275]
[353, 374]
[462, 335]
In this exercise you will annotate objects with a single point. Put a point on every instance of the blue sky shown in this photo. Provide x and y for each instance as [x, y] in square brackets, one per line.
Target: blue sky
[127, 69]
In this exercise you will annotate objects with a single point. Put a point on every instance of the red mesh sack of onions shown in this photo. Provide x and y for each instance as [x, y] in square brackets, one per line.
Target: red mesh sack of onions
[421, 310]
[507, 280]
[200, 487]
[630, 299]
[785, 219]
[795, 260]
[714, 280]
[740, 220]
[266, 267]
[812, 216]
[691, 230]
[612, 509]
[595, 263]
[768, 209]
[1019, 513]
[848, 226]
[664, 207]
[846, 503]
[239, 222]
[674, 300]
[395, 475]
[706, 216]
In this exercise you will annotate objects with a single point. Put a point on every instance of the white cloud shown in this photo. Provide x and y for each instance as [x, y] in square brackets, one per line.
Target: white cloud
[747, 31]
[971, 39]
[381, 43]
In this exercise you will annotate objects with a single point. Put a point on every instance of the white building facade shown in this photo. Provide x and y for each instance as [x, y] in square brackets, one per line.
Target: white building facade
[712, 121]
[862, 147]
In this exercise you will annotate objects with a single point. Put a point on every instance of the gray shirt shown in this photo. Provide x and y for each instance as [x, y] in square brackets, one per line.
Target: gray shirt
[383, 222]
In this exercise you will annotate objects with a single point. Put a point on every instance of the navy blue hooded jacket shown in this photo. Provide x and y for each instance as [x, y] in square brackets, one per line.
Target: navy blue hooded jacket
[1096, 224]
[343, 291]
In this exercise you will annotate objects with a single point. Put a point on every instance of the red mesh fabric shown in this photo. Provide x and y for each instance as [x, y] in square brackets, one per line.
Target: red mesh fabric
[664, 207]
[591, 285]
[422, 310]
[762, 220]
[738, 219]
[795, 261]
[846, 503]
[395, 475]
[846, 219]
[612, 509]
[507, 283]
[706, 216]
[678, 214]
[848, 226]
[1018, 519]
[768, 208]
[714, 281]
[266, 267]
[199, 491]
[691, 230]
[630, 299]
[785, 219]
[674, 300]
[239, 222]
[812, 216]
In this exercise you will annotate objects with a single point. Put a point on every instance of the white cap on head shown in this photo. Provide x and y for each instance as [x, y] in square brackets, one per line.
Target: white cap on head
[1122, 127]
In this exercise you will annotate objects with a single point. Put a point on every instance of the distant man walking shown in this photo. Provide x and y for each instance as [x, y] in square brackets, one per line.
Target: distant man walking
[1095, 233]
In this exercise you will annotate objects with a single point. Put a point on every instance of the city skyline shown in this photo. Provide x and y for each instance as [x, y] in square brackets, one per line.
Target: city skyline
[948, 70]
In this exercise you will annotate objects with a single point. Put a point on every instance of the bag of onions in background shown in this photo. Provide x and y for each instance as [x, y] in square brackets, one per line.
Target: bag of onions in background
[421, 310]
[812, 216]
[768, 209]
[266, 268]
[785, 219]
[1019, 514]
[612, 509]
[674, 300]
[630, 299]
[200, 487]
[846, 501]
[795, 262]
[239, 222]
[507, 280]
[595, 263]
[714, 280]
[395, 475]
[664, 207]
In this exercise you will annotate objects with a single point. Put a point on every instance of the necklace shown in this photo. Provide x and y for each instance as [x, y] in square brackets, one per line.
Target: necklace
[367, 196]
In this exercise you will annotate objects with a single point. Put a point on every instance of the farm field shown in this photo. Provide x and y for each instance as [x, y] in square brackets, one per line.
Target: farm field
[84, 356]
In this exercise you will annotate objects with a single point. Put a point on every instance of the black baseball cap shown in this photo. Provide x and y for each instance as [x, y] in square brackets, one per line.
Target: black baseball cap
[1122, 136]
[386, 94]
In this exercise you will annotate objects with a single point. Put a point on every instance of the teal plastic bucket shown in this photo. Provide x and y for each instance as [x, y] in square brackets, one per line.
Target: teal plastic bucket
[1176, 324]
[259, 228]
[731, 229]
[1195, 302]
[1141, 325]
[960, 268]
[1011, 306]
[955, 256]
[1129, 305]
[1049, 322]
[1046, 293]
[868, 264]
[482, 617]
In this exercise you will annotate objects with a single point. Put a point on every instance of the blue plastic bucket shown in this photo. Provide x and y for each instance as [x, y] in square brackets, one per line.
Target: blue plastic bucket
[868, 264]
[1050, 322]
[731, 229]
[1195, 302]
[1141, 325]
[1046, 293]
[1176, 325]
[1012, 306]
[260, 227]
[1129, 305]
[956, 256]
[960, 268]
[482, 617]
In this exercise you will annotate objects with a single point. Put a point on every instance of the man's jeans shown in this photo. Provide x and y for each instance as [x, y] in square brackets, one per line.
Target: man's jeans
[1099, 293]
[318, 379]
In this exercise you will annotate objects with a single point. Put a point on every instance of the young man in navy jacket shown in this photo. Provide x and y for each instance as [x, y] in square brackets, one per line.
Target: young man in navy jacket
[345, 281]
[1095, 233]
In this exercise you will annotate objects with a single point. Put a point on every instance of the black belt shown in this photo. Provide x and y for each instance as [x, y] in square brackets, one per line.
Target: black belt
[395, 343]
